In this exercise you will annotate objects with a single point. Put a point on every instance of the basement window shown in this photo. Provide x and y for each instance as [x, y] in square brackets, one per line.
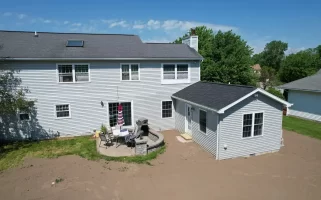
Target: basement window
[75, 43]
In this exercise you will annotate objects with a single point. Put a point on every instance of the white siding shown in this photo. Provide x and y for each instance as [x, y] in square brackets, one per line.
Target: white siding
[85, 98]
[207, 141]
[231, 128]
[305, 104]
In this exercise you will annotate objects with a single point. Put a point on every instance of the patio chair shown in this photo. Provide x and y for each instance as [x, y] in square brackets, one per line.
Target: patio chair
[105, 138]
[137, 132]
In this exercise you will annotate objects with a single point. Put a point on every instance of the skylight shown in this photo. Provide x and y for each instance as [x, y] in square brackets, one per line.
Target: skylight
[75, 43]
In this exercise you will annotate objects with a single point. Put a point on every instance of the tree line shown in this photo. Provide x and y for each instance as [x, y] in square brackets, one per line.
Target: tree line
[228, 57]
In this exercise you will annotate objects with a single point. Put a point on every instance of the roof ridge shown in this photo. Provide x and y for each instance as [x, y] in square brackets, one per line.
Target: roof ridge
[236, 85]
[67, 33]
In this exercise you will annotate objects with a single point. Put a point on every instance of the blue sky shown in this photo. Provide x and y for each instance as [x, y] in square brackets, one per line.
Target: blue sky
[297, 22]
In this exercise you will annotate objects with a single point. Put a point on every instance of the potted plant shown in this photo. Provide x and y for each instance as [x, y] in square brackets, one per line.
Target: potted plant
[103, 129]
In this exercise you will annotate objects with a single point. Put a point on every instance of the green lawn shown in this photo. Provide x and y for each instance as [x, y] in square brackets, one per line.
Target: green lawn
[302, 126]
[12, 155]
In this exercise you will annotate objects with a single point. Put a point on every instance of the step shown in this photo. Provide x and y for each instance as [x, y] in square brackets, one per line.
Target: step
[186, 136]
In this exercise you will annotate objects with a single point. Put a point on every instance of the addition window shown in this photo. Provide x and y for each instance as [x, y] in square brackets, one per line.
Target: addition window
[24, 116]
[202, 121]
[175, 73]
[113, 113]
[63, 111]
[252, 124]
[167, 109]
[71, 73]
[129, 72]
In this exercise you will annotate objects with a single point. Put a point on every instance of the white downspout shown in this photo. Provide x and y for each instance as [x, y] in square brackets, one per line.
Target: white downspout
[217, 136]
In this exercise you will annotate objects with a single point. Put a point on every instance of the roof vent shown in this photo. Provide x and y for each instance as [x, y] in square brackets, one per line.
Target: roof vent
[36, 34]
[75, 43]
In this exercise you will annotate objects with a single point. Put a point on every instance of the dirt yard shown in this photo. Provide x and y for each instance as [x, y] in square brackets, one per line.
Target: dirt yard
[184, 171]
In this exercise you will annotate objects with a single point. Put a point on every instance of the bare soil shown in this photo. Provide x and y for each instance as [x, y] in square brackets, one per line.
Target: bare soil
[184, 171]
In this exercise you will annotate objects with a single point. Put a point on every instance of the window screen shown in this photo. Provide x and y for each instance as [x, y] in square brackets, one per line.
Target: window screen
[166, 109]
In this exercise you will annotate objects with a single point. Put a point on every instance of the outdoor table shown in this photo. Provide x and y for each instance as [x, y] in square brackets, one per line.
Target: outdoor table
[120, 134]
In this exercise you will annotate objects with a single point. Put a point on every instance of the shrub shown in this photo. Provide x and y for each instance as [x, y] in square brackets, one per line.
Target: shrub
[275, 92]
[103, 129]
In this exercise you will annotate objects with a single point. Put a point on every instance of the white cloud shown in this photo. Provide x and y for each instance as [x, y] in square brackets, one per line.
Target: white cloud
[158, 40]
[7, 14]
[66, 22]
[138, 25]
[121, 23]
[186, 25]
[294, 50]
[153, 24]
[108, 21]
[47, 21]
[76, 24]
[21, 16]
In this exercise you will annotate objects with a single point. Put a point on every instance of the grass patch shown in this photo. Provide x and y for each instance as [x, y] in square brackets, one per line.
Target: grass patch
[302, 126]
[12, 155]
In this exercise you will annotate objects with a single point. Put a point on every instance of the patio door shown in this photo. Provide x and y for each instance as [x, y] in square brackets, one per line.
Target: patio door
[188, 119]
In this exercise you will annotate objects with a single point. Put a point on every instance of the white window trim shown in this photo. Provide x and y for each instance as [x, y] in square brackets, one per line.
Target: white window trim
[252, 127]
[199, 119]
[162, 109]
[175, 81]
[130, 71]
[73, 73]
[132, 112]
[19, 113]
[55, 111]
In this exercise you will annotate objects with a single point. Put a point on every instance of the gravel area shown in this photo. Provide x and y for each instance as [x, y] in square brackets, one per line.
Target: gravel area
[184, 171]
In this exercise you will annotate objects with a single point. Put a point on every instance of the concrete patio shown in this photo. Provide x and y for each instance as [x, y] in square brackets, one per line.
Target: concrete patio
[114, 150]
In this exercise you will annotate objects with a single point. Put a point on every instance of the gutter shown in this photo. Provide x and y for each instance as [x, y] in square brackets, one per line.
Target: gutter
[298, 89]
[64, 59]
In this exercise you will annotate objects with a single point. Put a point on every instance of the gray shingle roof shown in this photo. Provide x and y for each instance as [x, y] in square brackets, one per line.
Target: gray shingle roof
[310, 83]
[213, 95]
[18, 44]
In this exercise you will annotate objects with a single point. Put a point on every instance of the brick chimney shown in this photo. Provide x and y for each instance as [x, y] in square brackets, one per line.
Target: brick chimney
[191, 40]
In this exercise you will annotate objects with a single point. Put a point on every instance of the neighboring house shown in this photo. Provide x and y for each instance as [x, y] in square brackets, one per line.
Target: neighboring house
[78, 81]
[305, 94]
[256, 69]
[230, 120]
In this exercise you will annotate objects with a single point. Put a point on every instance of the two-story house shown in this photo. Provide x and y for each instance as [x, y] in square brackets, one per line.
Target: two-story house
[78, 80]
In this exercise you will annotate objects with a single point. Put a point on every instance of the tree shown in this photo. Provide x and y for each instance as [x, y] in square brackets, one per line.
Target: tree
[256, 59]
[268, 77]
[231, 60]
[273, 54]
[12, 95]
[227, 58]
[299, 65]
[205, 40]
[275, 92]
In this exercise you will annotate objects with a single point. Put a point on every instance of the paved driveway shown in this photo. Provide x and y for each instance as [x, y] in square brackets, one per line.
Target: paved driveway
[184, 171]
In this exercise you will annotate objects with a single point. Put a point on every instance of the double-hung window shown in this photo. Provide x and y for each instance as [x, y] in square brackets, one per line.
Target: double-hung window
[167, 109]
[252, 124]
[129, 72]
[72, 73]
[175, 73]
[202, 120]
[62, 111]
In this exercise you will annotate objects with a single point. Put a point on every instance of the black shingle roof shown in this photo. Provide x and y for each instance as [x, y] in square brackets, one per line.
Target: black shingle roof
[19, 44]
[213, 95]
